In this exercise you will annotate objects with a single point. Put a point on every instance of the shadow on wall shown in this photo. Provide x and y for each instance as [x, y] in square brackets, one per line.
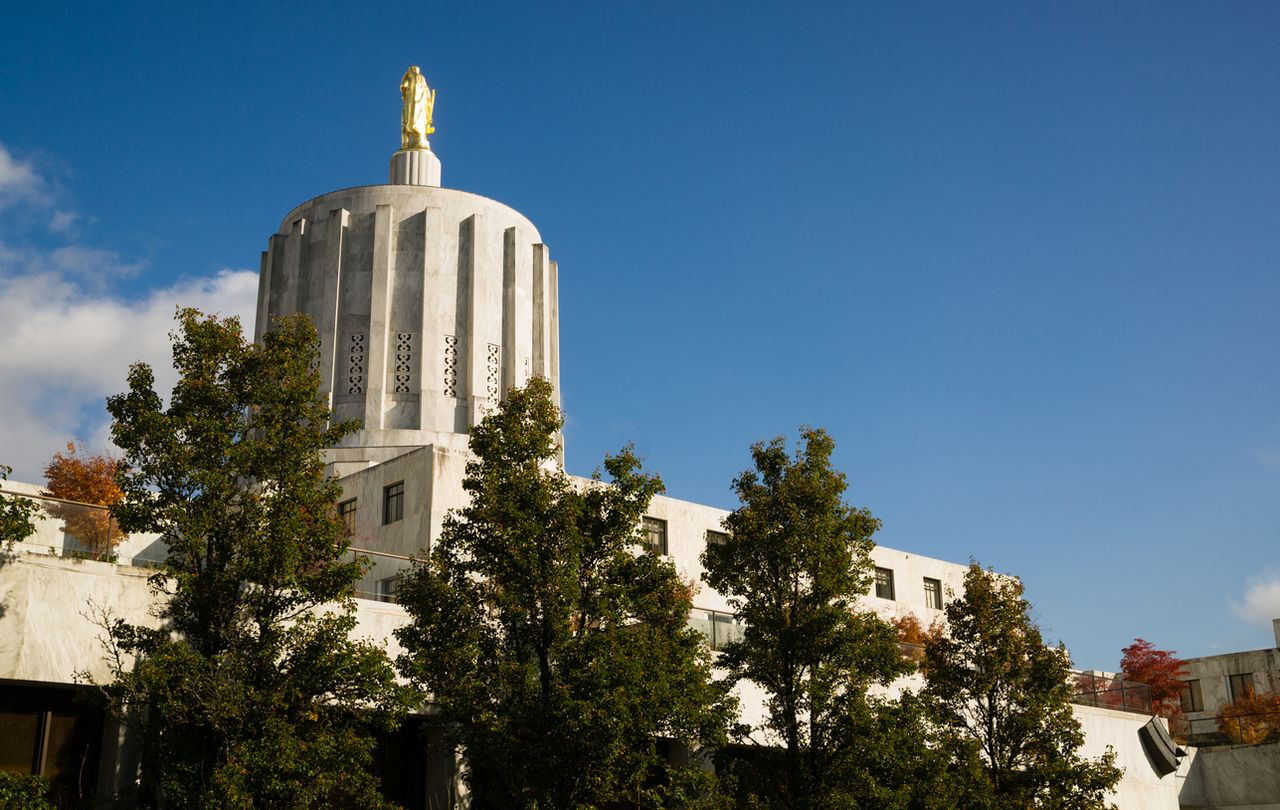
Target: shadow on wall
[1231, 776]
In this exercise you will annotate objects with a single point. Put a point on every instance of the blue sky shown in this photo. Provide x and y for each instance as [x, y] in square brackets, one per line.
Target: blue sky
[1021, 260]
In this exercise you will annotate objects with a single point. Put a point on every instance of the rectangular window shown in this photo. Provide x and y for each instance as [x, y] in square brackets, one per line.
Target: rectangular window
[715, 538]
[725, 628]
[393, 502]
[718, 628]
[19, 743]
[388, 588]
[347, 512]
[1241, 685]
[933, 593]
[1190, 696]
[655, 535]
[884, 582]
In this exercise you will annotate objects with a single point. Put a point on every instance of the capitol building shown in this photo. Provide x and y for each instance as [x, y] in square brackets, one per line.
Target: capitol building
[430, 304]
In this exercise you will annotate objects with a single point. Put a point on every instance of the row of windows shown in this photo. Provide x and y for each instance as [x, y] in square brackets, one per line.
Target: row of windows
[654, 541]
[392, 507]
[885, 590]
[1192, 699]
[654, 535]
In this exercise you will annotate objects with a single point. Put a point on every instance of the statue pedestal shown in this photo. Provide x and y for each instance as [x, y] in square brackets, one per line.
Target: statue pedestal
[415, 167]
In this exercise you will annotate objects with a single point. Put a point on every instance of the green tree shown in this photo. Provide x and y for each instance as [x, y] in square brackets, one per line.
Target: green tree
[795, 563]
[556, 655]
[17, 515]
[22, 792]
[1004, 700]
[250, 692]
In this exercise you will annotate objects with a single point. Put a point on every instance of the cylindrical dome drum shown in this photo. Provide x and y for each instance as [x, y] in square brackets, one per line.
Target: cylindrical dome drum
[430, 304]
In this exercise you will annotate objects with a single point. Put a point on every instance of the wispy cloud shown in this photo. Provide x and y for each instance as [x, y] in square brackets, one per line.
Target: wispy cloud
[19, 180]
[1261, 601]
[70, 337]
[27, 194]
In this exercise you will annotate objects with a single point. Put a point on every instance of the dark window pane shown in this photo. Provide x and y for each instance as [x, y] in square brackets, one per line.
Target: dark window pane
[1190, 696]
[655, 535]
[933, 593]
[18, 741]
[884, 583]
[347, 511]
[68, 748]
[1241, 686]
[393, 502]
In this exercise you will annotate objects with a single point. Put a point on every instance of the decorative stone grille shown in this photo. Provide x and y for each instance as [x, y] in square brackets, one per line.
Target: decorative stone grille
[450, 366]
[491, 378]
[404, 363]
[355, 365]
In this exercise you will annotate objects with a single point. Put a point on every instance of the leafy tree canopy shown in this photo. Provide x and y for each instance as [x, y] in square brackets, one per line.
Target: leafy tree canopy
[794, 566]
[88, 478]
[250, 692]
[23, 792]
[17, 514]
[557, 655]
[1160, 670]
[1004, 699]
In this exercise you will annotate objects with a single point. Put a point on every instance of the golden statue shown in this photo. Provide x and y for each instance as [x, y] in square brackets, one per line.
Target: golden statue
[419, 102]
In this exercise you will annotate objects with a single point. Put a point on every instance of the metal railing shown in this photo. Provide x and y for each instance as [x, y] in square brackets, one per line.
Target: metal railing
[85, 531]
[381, 580]
[911, 652]
[1235, 729]
[1107, 692]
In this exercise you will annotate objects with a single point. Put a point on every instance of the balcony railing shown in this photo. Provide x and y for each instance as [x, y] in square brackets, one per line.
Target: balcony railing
[85, 531]
[381, 580]
[1103, 691]
[1242, 729]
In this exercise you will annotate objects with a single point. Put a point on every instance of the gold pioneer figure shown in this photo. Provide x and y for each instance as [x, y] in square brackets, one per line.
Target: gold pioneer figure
[419, 102]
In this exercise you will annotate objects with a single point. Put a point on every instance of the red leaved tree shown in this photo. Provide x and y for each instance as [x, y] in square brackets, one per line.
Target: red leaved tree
[1160, 670]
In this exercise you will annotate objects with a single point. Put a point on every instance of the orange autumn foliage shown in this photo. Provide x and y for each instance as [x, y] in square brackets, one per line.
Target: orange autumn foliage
[1252, 719]
[912, 636]
[87, 478]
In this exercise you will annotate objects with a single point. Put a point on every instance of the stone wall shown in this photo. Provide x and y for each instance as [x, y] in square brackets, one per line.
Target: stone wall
[1239, 777]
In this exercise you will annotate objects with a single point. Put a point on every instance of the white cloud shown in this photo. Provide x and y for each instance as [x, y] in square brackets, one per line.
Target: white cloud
[69, 338]
[92, 264]
[18, 180]
[1261, 601]
[68, 347]
[63, 221]
[40, 197]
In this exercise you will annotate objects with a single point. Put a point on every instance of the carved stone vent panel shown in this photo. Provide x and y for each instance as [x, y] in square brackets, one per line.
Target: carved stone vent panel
[403, 374]
[492, 372]
[450, 366]
[355, 364]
